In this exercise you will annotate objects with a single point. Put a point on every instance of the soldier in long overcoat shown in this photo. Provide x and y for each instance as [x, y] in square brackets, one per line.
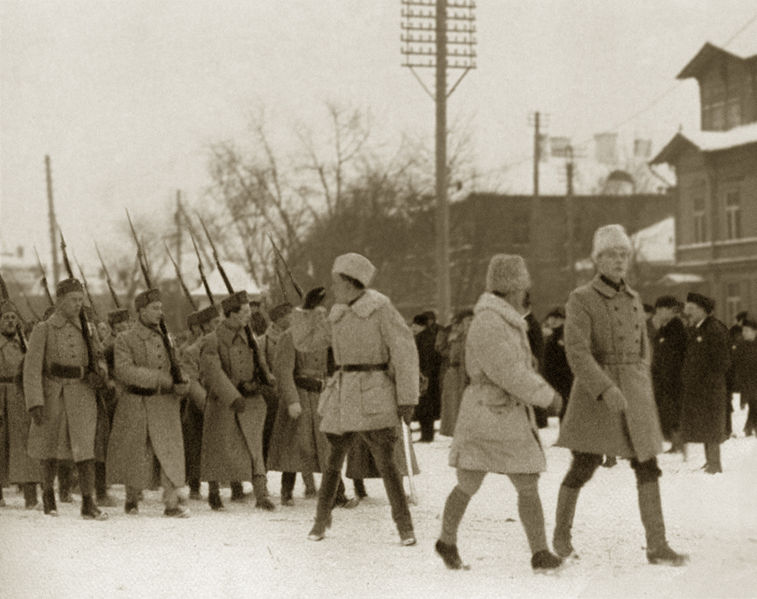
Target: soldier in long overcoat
[146, 439]
[704, 395]
[668, 349]
[59, 389]
[200, 323]
[376, 381]
[16, 466]
[455, 378]
[233, 370]
[496, 429]
[611, 410]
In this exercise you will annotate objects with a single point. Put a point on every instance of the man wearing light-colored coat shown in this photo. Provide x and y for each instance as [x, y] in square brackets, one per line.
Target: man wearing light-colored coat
[377, 379]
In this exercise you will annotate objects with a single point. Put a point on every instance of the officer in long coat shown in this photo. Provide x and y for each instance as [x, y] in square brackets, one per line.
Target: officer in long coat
[704, 397]
[611, 410]
[745, 373]
[496, 429]
[146, 438]
[454, 379]
[200, 323]
[668, 349]
[233, 370]
[16, 467]
[59, 389]
[376, 381]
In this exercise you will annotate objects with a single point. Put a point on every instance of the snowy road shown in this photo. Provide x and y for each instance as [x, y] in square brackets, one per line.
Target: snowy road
[245, 553]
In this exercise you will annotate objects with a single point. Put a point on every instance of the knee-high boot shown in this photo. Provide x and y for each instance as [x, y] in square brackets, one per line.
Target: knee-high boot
[566, 509]
[89, 511]
[650, 508]
[326, 495]
[30, 496]
[49, 469]
[454, 510]
[260, 488]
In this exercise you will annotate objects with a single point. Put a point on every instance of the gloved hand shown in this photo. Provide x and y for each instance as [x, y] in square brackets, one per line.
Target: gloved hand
[314, 298]
[181, 389]
[38, 415]
[406, 413]
[556, 406]
[294, 409]
[238, 405]
[95, 380]
[615, 400]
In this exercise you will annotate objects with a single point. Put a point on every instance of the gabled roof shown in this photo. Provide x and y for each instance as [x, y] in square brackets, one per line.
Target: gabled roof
[709, 51]
[707, 141]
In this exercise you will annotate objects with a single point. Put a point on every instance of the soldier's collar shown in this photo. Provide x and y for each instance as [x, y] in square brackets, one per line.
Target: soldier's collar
[144, 330]
[364, 306]
[610, 290]
[58, 320]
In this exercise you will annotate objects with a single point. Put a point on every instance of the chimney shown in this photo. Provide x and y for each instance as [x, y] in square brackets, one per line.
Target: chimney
[559, 146]
[606, 148]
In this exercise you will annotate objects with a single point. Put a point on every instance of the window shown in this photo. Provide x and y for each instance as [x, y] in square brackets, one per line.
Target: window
[732, 301]
[700, 220]
[733, 214]
[733, 112]
[713, 101]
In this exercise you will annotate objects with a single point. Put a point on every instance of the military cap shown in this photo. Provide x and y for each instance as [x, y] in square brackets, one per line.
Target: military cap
[355, 266]
[280, 310]
[507, 273]
[146, 298]
[68, 286]
[420, 319]
[118, 316]
[234, 302]
[667, 301]
[8, 306]
[199, 318]
[707, 304]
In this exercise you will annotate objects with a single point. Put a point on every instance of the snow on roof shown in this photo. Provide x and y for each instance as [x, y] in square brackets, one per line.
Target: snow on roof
[679, 278]
[712, 141]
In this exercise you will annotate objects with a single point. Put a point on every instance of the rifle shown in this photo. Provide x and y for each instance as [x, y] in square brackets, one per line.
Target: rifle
[297, 288]
[261, 372]
[181, 279]
[107, 279]
[86, 289]
[95, 377]
[43, 281]
[201, 268]
[5, 296]
[176, 374]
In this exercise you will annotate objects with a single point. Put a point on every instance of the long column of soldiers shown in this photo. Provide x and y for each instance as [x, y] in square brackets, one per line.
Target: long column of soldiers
[126, 406]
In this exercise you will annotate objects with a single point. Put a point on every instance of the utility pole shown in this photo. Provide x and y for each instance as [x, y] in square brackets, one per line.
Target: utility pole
[429, 29]
[569, 217]
[51, 219]
[535, 121]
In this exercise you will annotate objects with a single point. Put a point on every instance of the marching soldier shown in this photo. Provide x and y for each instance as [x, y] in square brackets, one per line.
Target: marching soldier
[370, 340]
[146, 435]
[200, 323]
[611, 410]
[17, 467]
[705, 364]
[59, 388]
[297, 443]
[233, 370]
[279, 316]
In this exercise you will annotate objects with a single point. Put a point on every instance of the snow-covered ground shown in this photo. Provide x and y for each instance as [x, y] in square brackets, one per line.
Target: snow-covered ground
[246, 553]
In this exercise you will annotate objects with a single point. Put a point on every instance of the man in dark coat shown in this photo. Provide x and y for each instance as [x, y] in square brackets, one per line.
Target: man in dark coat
[703, 402]
[668, 349]
[536, 343]
[429, 405]
[745, 373]
[556, 369]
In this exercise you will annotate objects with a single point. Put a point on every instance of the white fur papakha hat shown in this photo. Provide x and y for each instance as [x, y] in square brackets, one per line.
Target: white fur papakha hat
[607, 237]
[356, 266]
[507, 273]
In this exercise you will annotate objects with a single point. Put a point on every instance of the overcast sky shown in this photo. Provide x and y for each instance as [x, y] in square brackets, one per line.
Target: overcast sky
[126, 96]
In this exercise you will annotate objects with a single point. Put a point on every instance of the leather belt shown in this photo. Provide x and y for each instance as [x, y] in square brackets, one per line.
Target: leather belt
[67, 372]
[362, 367]
[308, 383]
[143, 391]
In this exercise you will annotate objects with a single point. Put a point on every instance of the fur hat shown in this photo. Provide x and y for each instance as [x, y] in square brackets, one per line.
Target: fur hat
[199, 318]
[507, 273]
[667, 301]
[356, 266]
[144, 299]
[118, 316]
[607, 237]
[279, 311]
[68, 286]
[707, 304]
[558, 312]
[235, 301]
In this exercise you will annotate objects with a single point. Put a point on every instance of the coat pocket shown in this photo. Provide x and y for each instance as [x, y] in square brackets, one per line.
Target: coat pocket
[377, 393]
